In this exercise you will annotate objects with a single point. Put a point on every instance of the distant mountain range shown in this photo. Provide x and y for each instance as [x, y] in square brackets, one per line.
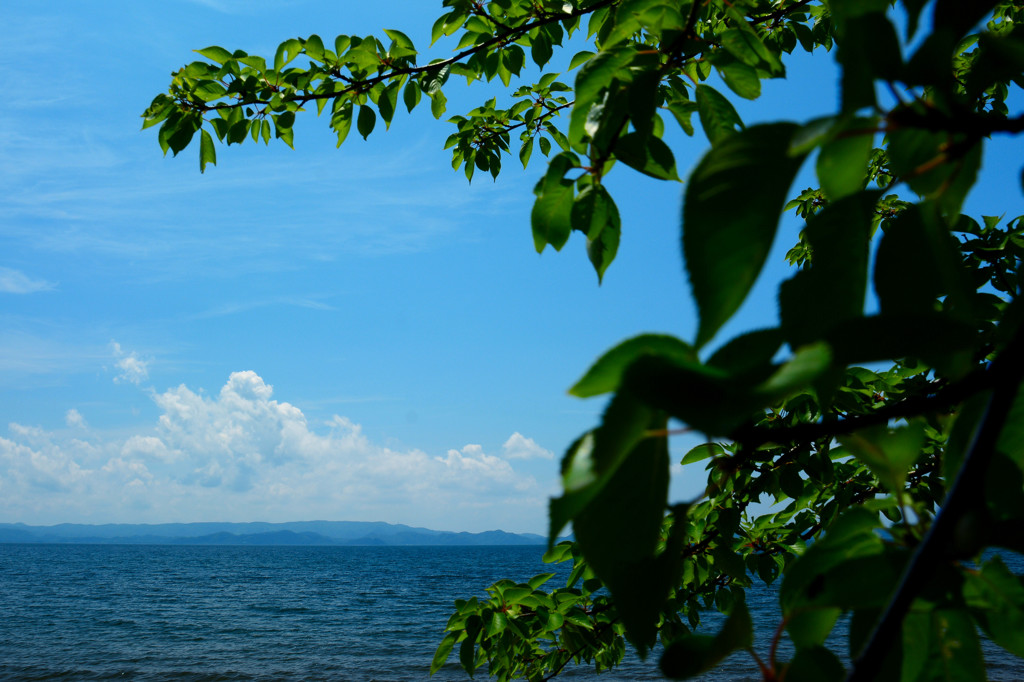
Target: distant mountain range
[258, 533]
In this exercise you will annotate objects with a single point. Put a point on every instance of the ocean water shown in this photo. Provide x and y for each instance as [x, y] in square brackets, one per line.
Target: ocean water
[97, 612]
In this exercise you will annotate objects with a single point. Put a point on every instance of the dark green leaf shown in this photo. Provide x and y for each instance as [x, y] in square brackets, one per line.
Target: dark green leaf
[594, 457]
[443, 649]
[811, 626]
[591, 81]
[851, 536]
[742, 79]
[605, 374]
[619, 530]
[207, 152]
[816, 664]
[717, 116]
[998, 596]
[651, 156]
[540, 49]
[832, 290]
[887, 452]
[601, 249]
[730, 214]
[917, 262]
[842, 164]
[412, 94]
[955, 652]
[388, 102]
[750, 352]
[366, 120]
[869, 49]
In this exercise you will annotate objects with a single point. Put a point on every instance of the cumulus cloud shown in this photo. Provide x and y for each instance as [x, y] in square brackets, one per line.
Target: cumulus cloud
[74, 419]
[520, 447]
[132, 368]
[240, 454]
[16, 282]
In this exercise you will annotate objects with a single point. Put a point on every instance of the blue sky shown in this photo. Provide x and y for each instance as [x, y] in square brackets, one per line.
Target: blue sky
[353, 334]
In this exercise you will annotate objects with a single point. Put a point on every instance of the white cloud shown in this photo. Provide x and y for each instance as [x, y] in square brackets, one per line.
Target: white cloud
[239, 454]
[74, 419]
[133, 368]
[520, 447]
[16, 282]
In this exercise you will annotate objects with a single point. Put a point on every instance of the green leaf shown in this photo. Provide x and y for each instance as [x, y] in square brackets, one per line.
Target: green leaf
[551, 217]
[618, 532]
[601, 249]
[730, 213]
[815, 664]
[702, 452]
[579, 58]
[810, 627]
[591, 82]
[742, 79]
[366, 120]
[997, 596]
[207, 152]
[833, 288]
[286, 52]
[650, 156]
[412, 95]
[401, 40]
[526, 150]
[741, 45]
[605, 375]
[180, 136]
[314, 47]
[842, 164]
[592, 210]
[717, 115]
[215, 54]
[540, 49]
[750, 352]
[918, 261]
[387, 103]
[806, 365]
[869, 49]
[888, 453]
[467, 655]
[852, 536]
[703, 397]
[443, 649]
[438, 103]
[955, 651]
[933, 167]
[592, 460]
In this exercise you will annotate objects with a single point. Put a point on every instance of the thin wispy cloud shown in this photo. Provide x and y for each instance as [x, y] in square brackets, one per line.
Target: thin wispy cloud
[17, 282]
[236, 308]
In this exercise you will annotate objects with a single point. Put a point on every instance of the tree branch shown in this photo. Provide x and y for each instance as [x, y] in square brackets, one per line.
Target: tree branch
[966, 494]
[361, 85]
[751, 437]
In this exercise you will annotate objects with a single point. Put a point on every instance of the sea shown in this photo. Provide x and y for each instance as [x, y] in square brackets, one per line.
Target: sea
[211, 613]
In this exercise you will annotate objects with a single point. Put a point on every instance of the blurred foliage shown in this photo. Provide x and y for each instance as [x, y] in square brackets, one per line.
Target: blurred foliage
[905, 419]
